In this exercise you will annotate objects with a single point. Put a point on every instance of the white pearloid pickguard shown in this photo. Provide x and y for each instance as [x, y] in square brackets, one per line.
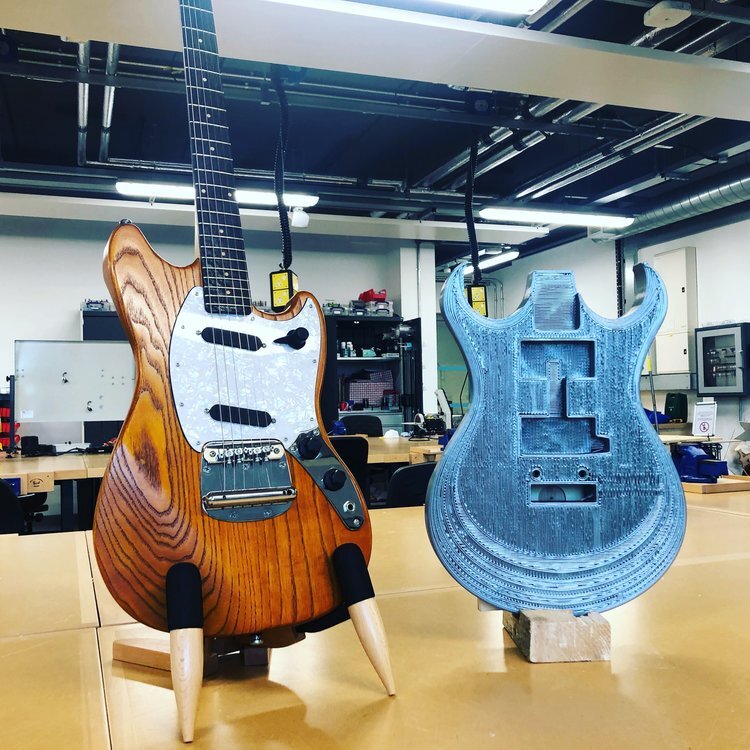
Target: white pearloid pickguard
[276, 379]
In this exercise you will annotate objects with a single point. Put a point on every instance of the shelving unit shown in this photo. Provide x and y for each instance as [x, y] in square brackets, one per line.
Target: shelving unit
[389, 335]
[8, 418]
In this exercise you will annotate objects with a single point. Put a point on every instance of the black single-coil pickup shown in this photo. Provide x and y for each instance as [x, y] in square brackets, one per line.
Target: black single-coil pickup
[234, 339]
[238, 415]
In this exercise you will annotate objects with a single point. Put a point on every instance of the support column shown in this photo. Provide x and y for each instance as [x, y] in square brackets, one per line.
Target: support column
[417, 272]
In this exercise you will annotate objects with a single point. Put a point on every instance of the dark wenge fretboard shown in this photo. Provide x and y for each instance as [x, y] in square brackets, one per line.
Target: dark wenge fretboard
[222, 250]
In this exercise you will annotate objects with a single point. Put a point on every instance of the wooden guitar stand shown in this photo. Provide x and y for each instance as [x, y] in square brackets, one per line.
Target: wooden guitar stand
[557, 635]
[185, 656]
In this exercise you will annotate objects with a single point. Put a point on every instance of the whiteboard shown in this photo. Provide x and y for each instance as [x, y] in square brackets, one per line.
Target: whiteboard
[73, 381]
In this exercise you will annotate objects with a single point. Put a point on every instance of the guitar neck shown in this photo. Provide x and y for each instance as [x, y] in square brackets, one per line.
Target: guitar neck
[222, 249]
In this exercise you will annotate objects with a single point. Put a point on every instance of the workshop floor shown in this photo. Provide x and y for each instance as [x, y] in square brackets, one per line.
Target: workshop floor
[679, 676]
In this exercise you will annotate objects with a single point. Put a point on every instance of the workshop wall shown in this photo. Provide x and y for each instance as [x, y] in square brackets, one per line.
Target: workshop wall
[48, 267]
[723, 281]
[592, 262]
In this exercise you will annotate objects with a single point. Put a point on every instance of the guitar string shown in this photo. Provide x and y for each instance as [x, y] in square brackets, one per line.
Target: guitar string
[201, 208]
[235, 274]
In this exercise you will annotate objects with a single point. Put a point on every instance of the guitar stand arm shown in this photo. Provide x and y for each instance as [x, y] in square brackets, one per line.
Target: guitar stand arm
[185, 624]
[359, 599]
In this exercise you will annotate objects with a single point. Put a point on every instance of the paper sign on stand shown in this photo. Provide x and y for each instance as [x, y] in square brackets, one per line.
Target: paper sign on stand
[704, 418]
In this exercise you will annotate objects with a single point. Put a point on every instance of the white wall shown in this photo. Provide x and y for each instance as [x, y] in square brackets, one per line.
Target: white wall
[593, 264]
[723, 295]
[48, 267]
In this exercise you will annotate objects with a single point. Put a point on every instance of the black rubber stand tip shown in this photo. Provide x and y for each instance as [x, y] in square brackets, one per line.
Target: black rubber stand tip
[352, 574]
[184, 597]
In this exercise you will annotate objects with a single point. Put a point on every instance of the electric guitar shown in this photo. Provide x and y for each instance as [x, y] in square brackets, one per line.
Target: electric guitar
[555, 492]
[222, 461]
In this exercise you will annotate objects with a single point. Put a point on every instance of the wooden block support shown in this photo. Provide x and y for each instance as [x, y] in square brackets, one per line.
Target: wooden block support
[154, 653]
[545, 635]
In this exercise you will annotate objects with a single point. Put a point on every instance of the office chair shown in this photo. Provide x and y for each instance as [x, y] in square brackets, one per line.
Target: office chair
[353, 452]
[30, 508]
[363, 424]
[408, 485]
[11, 513]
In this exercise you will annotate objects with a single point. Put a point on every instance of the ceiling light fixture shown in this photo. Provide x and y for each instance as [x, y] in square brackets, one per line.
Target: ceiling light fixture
[187, 193]
[493, 261]
[564, 218]
[507, 7]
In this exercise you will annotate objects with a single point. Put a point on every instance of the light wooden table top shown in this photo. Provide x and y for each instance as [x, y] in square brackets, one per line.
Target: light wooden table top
[676, 652]
[393, 450]
[45, 584]
[51, 692]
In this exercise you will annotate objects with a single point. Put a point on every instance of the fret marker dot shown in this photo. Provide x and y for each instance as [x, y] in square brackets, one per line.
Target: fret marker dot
[203, 191]
[212, 148]
[209, 115]
[221, 231]
[204, 79]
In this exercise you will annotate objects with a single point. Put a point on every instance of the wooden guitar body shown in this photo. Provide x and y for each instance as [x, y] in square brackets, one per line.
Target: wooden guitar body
[555, 492]
[271, 571]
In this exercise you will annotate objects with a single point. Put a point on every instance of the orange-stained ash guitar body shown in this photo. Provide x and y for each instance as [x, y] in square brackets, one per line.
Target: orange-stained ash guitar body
[256, 575]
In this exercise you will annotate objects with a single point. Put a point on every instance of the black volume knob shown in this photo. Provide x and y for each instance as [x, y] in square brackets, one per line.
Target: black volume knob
[296, 338]
[334, 479]
[309, 447]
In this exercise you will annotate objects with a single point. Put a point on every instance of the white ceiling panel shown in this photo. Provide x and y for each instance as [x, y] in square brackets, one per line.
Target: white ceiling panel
[354, 38]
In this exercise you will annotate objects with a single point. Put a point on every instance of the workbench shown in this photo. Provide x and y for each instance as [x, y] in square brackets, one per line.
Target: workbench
[676, 652]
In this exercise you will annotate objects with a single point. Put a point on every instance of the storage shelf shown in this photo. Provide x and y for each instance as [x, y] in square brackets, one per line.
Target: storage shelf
[367, 359]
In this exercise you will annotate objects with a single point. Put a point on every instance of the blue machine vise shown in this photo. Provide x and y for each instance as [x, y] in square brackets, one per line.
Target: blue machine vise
[694, 464]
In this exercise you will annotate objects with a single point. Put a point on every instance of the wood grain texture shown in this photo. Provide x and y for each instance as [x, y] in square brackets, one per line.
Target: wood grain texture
[255, 575]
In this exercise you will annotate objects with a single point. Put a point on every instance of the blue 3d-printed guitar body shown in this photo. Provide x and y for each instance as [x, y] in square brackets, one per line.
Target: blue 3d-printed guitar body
[556, 492]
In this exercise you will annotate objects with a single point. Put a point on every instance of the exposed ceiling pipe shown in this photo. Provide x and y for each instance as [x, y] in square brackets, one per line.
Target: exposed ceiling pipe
[83, 61]
[498, 136]
[721, 194]
[658, 132]
[651, 39]
[501, 134]
[113, 55]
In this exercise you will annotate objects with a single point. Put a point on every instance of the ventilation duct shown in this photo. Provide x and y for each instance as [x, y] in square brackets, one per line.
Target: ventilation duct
[722, 195]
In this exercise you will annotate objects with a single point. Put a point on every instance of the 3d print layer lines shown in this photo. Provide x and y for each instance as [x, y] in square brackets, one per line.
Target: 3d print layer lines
[555, 492]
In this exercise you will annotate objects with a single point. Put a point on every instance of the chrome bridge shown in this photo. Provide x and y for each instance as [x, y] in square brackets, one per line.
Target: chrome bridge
[245, 480]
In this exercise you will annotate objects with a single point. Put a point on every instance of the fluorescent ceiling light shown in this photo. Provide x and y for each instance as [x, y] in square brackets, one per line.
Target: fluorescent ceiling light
[509, 7]
[535, 230]
[493, 261]
[565, 218]
[268, 198]
[187, 192]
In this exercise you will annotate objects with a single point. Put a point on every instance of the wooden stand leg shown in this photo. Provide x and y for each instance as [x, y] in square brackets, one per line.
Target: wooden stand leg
[185, 623]
[359, 597]
[369, 628]
[186, 662]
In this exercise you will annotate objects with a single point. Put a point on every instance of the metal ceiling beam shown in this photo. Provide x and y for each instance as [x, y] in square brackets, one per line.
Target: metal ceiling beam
[490, 152]
[171, 214]
[369, 40]
[335, 192]
[239, 89]
[673, 171]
